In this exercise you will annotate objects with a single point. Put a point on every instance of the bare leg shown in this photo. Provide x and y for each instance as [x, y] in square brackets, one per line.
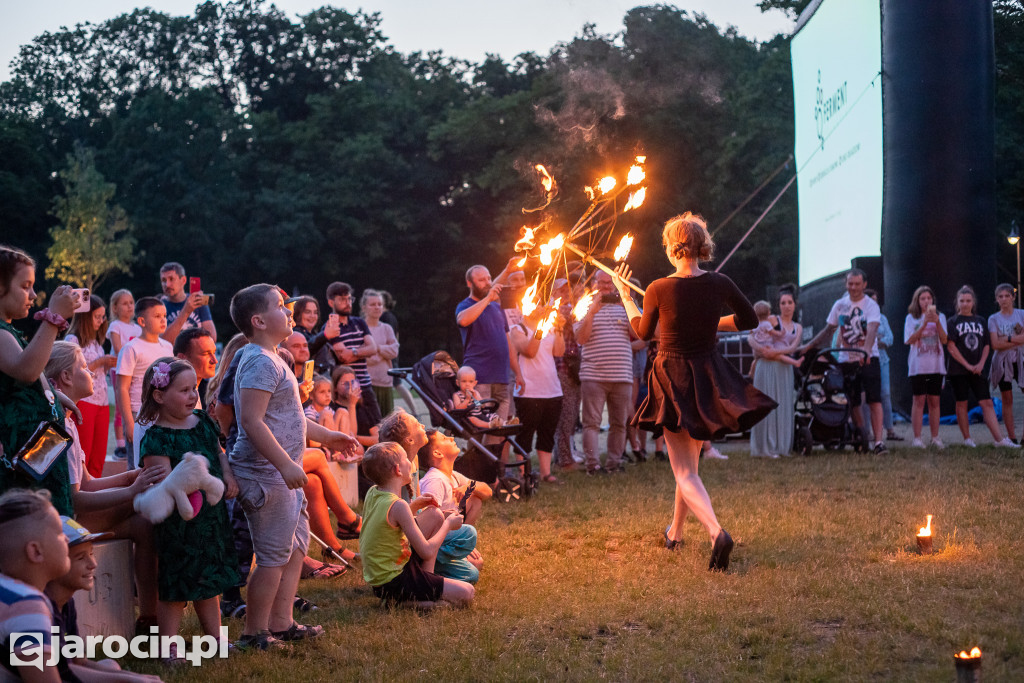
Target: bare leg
[315, 462]
[675, 532]
[457, 592]
[474, 508]
[876, 421]
[917, 415]
[684, 456]
[319, 517]
[961, 419]
[280, 617]
[544, 458]
[208, 612]
[933, 416]
[168, 617]
[1011, 428]
[264, 584]
[429, 521]
[989, 414]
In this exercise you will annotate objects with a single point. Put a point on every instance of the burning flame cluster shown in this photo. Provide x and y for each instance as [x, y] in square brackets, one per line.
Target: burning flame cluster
[975, 653]
[927, 529]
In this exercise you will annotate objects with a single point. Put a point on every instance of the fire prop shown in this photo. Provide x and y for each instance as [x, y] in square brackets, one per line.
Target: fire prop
[924, 538]
[968, 666]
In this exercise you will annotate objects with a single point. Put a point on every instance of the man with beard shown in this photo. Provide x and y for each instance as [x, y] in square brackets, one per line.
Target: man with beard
[484, 331]
[355, 343]
[183, 310]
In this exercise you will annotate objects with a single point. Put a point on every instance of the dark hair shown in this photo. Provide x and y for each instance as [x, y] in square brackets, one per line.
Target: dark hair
[336, 374]
[426, 451]
[249, 302]
[146, 303]
[183, 342]
[301, 304]
[18, 503]
[393, 427]
[687, 236]
[854, 272]
[389, 301]
[150, 409]
[914, 308]
[338, 289]
[81, 324]
[175, 266]
[380, 460]
[967, 289]
[1004, 287]
[10, 260]
[788, 288]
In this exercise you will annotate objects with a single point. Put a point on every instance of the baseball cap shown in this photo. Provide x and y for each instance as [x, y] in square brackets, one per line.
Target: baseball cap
[76, 533]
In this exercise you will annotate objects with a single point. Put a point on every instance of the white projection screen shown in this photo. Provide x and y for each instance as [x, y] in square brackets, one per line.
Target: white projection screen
[837, 98]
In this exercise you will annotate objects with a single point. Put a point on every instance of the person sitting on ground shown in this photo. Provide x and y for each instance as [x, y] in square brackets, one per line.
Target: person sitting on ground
[33, 552]
[468, 398]
[105, 504]
[61, 591]
[399, 551]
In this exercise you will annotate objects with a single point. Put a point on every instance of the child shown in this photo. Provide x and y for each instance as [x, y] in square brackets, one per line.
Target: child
[468, 398]
[766, 335]
[25, 400]
[319, 408]
[89, 330]
[458, 557]
[195, 558]
[267, 462]
[122, 330]
[352, 414]
[33, 552]
[133, 360]
[1006, 332]
[396, 572]
[924, 331]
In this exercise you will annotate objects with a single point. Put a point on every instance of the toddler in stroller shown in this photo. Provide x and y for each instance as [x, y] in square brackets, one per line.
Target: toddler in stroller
[467, 398]
[822, 407]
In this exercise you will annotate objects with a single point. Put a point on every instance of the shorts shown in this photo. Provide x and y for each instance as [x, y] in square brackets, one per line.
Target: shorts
[866, 379]
[926, 385]
[538, 416]
[501, 394]
[412, 584]
[977, 384]
[1007, 385]
[278, 520]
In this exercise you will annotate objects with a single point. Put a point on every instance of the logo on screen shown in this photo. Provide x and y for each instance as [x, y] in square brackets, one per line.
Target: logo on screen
[827, 108]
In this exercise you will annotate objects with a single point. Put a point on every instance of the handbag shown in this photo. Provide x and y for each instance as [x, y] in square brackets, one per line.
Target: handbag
[47, 444]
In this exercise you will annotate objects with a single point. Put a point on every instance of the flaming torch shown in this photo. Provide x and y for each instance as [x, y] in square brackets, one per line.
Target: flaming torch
[548, 323]
[635, 200]
[622, 251]
[552, 245]
[968, 666]
[583, 305]
[924, 538]
[530, 297]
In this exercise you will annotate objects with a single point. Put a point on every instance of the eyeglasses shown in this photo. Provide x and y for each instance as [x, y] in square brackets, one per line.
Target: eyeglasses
[347, 297]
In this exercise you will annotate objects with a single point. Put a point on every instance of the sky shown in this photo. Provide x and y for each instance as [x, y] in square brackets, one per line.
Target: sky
[468, 29]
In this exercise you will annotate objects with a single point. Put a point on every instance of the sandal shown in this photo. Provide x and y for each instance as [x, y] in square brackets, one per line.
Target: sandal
[327, 571]
[298, 631]
[550, 479]
[350, 531]
[261, 641]
[304, 605]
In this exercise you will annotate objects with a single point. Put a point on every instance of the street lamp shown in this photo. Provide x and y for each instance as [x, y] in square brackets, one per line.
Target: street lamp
[1014, 239]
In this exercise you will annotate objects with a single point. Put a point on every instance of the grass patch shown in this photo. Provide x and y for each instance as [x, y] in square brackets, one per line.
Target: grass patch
[825, 583]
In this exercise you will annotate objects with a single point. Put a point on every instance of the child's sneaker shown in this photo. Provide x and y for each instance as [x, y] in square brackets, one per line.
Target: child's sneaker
[1007, 443]
[917, 443]
[715, 454]
[937, 442]
[970, 443]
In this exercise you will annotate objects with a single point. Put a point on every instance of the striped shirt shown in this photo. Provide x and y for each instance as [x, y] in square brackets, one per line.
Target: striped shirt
[607, 356]
[23, 609]
[353, 335]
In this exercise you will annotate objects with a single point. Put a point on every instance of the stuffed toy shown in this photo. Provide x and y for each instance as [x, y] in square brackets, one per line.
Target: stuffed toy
[180, 489]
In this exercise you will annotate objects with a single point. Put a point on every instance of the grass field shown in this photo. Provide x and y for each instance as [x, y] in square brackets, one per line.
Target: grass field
[825, 584]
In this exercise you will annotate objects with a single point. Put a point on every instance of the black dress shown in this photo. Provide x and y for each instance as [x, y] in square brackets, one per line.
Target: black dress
[690, 386]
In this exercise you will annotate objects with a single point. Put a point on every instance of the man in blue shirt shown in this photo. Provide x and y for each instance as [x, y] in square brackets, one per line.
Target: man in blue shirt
[183, 311]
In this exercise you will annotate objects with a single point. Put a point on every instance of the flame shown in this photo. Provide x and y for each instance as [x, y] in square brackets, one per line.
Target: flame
[583, 305]
[530, 298]
[625, 244]
[548, 323]
[606, 184]
[636, 175]
[635, 200]
[927, 529]
[547, 181]
[528, 240]
[590, 192]
[975, 653]
[553, 245]
[641, 159]
[522, 262]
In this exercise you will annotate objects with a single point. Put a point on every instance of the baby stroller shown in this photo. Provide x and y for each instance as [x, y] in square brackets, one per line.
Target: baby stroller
[822, 408]
[433, 377]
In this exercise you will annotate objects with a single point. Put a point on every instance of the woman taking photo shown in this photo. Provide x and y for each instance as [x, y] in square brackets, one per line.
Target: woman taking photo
[773, 436]
[924, 331]
[692, 392]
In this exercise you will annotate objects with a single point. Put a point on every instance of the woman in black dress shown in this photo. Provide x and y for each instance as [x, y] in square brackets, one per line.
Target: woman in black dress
[692, 392]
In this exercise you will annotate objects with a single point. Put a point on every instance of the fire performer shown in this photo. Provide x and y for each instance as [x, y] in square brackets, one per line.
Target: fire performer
[693, 393]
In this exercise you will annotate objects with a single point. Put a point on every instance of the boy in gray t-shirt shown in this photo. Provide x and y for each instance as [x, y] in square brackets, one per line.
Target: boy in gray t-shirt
[267, 462]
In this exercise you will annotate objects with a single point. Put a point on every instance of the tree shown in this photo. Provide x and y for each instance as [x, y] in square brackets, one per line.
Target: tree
[94, 238]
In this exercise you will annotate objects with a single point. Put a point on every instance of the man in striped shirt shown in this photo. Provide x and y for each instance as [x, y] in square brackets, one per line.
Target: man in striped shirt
[355, 343]
[606, 374]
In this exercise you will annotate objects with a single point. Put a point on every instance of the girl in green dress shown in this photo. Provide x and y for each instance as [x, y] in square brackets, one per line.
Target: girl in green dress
[196, 559]
[27, 399]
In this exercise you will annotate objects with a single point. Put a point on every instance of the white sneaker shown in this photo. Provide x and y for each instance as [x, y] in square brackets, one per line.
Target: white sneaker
[917, 443]
[1007, 443]
[764, 455]
[937, 442]
[970, 443]
[714, 454]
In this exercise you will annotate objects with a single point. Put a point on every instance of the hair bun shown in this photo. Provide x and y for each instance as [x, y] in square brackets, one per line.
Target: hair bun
[679, 250]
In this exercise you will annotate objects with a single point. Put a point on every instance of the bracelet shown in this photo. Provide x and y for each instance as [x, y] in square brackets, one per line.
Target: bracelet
[47, 315]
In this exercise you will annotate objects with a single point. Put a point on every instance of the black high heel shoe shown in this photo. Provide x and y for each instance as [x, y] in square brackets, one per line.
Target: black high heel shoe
[720, 552]
[669, 543]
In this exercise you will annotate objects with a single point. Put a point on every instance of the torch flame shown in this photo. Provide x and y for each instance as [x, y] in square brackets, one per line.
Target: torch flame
[636, 175]
[641, 159]
[606, 184]
[522, 262]
[975, 653]
[547, 181]
[553, 245]
[528, 240]
[625, 244]
[548, 323]
[635, 200]
[583, 305]
[530, 298]
[927, 529]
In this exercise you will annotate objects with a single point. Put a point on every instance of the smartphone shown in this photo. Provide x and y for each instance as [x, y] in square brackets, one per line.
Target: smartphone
[208, 299]
[82, 297]
[334, 318]
[509, 297]
[307, 370]
[194, 286]
[612, 298]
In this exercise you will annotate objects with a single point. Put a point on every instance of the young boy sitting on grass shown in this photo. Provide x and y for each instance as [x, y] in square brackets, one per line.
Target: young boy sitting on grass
[267, 462]
[33, 552]
[396, 572]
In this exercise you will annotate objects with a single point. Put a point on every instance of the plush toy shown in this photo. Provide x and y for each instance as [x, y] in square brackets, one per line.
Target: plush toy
[180, 489]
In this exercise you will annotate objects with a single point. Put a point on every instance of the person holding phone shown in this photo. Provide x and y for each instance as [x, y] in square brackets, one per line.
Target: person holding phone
[924, 331]
[183, 310]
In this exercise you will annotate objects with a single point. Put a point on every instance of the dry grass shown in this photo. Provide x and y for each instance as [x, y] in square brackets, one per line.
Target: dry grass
[826, 583]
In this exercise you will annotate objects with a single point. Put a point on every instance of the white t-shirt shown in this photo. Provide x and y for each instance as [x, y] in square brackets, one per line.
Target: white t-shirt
[539, 372]
[442, 487]
[852, 319]
[76, 454]
[135, 358]
[125, 331]
[92, 351]
[927, 357]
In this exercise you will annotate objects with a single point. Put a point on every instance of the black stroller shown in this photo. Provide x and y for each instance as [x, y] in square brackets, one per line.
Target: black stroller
[433, 377]
[822, 409]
